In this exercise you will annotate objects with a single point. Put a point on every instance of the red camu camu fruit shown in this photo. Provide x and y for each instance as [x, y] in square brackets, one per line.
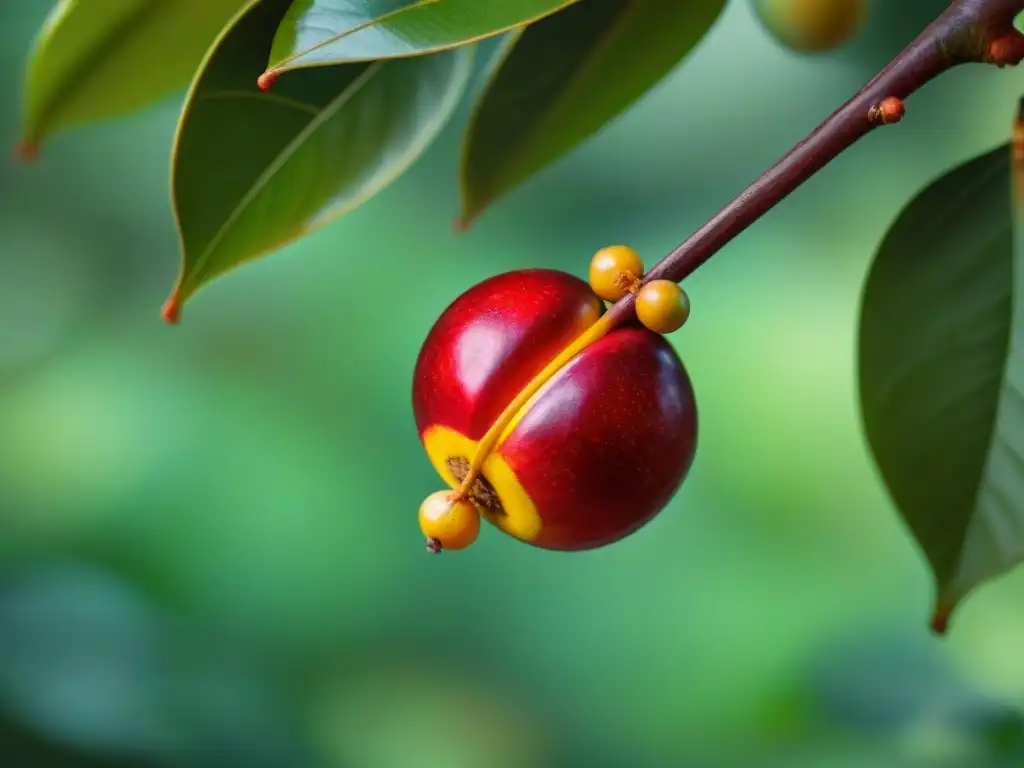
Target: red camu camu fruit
[572, 436]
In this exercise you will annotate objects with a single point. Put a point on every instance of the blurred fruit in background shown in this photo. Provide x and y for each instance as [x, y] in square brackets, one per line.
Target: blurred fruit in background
[812, 26]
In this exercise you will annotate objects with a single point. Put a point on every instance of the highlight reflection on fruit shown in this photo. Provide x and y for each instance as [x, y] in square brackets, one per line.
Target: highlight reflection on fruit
[572, 436]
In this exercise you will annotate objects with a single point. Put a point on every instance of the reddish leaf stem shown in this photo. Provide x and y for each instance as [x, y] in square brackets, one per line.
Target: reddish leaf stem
[979, 31]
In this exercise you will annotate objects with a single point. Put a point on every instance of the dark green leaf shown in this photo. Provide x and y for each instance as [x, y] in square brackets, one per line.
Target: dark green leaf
[254, 171]
[97, 59]
[562, 79]
[321, 32]
[942, 372]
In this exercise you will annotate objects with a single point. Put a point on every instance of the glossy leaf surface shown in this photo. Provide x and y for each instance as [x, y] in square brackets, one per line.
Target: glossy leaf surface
[942, 374]
[561, 80]
[322, 32]
[95, 59]
[253, 171]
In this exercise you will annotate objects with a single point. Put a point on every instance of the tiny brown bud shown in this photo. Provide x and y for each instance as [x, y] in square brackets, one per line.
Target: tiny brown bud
[1007, 50]
[889, 110]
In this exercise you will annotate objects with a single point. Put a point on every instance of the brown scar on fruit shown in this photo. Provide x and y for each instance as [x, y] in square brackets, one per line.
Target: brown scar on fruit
[481, 492]
[887, 111]
[433, 546]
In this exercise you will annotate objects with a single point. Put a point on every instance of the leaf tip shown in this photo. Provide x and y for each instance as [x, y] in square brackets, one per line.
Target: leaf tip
[469, 216]
[940, 617]
[171, 310]
[266, 81]
[26, 151]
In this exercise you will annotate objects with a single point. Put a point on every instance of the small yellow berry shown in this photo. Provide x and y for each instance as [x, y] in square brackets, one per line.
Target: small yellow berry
[448, 524]
[613, 269]
[662, 306]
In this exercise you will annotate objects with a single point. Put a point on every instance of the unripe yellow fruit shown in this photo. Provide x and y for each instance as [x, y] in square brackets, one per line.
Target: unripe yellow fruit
[662, 306]
[448, 524]
[811, 26]
[613, 269]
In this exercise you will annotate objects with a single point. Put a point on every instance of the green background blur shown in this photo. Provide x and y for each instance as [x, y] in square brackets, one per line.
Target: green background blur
[209, 539]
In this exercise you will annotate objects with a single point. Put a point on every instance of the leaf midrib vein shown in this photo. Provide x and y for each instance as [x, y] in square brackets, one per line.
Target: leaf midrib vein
[282, 158]
[292, 61]
[284, 101]
[1012, 341]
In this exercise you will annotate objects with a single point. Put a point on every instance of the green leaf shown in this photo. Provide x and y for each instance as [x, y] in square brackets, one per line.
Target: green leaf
[321, 32]
[96, 59]
[253, 171]
[942, 375]
[562, 79]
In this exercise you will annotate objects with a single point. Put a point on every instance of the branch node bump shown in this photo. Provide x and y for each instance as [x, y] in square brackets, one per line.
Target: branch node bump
[1006, 50]
[889, 110]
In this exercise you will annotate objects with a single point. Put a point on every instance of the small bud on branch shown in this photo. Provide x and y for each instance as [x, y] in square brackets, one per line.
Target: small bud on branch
[890, 110]
[978, 31]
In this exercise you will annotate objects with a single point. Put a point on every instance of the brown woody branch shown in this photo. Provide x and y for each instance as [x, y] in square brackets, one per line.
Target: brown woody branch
[978, 31]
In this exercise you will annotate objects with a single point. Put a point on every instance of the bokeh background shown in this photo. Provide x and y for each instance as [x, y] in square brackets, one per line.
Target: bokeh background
[210, 554]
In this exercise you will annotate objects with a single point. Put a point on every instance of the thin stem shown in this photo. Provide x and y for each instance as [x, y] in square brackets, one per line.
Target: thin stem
[978, 31]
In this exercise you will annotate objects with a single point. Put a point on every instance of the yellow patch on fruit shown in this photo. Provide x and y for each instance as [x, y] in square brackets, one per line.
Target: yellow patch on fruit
[500, 498]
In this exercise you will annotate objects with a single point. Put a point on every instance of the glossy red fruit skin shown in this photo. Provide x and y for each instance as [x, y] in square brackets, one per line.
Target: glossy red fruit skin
[603, 445]
[491, 341]
[608, 442]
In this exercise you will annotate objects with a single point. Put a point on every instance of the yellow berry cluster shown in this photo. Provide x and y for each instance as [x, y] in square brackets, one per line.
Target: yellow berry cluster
[661, 305]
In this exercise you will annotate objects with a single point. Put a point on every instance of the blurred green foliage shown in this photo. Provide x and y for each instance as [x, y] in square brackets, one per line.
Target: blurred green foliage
[209, 541]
